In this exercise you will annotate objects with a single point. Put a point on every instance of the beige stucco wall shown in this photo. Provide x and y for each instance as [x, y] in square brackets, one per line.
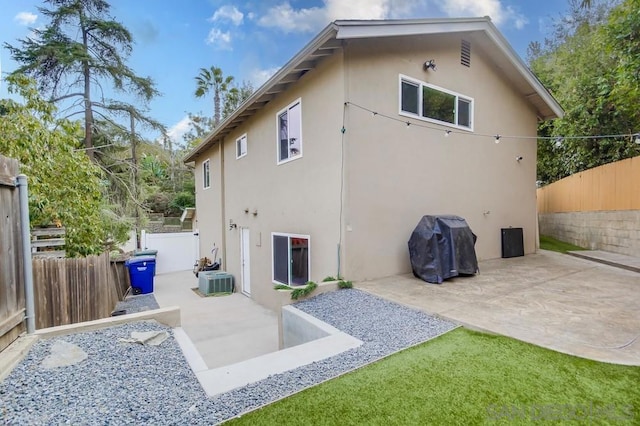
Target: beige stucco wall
[208, 201]
[298, 197]
[396, 174]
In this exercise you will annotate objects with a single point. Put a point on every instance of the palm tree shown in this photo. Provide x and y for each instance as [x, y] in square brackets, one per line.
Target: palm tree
[213, 79]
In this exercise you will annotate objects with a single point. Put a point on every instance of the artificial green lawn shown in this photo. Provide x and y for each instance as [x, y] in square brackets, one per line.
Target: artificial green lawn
[465, 377]
[550, 243]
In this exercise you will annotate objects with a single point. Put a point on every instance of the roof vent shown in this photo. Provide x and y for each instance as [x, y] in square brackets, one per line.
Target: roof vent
[465, 53]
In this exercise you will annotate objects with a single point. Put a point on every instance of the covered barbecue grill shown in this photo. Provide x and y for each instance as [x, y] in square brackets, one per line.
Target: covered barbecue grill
[442, 247]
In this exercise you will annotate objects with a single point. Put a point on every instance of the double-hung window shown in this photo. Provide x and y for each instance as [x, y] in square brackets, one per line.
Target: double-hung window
[241, 146]
[289, 122]
[206, 174]
[291, 259]
[432, 103]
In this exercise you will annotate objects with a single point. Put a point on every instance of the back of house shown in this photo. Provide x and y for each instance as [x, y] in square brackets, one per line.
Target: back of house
[329, 166]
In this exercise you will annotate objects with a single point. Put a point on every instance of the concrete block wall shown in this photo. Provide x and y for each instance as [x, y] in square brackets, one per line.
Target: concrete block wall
[614, 231]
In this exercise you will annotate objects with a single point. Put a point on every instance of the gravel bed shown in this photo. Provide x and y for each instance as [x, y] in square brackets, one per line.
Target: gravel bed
[137, 303]
[133, 384]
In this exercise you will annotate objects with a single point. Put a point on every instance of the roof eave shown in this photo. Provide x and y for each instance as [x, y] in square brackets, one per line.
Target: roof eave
[264, 92]
[525, 72]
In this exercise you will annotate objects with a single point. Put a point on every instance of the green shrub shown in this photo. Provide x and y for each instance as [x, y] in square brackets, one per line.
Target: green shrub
[303, 291]
[281, 287]
[345, 284]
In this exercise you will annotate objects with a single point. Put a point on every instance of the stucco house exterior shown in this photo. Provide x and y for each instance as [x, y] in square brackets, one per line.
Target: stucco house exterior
[326, 169]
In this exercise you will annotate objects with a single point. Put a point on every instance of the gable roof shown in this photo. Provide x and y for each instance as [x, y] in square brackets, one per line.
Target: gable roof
[329, 40]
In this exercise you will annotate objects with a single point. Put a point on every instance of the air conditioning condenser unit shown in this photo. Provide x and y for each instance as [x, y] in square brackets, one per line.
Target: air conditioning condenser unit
[211, 282]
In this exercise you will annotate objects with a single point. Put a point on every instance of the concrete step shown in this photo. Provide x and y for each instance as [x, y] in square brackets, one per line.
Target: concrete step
[617, 260]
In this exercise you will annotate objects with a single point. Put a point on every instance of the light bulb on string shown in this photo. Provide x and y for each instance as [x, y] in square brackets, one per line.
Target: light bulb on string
[497, 138]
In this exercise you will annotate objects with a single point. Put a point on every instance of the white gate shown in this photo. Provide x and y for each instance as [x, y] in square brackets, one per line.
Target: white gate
[177, 251]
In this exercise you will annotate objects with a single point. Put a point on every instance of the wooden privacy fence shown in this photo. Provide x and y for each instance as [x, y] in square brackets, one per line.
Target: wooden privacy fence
[12, 299]
[614, 186]
[68, 291]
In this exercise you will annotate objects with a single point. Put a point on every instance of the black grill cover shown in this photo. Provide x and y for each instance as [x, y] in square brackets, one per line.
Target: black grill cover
[442, 247]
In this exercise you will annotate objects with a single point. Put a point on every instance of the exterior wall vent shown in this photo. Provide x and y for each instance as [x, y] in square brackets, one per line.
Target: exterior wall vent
[465, 53]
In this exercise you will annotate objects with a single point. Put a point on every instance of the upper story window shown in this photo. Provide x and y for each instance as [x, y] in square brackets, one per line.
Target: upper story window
[241, 146]
[432, 103]
[206, 174]
[290, 132]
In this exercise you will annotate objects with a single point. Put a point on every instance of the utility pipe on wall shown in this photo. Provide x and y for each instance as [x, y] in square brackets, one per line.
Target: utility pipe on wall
[23, 192]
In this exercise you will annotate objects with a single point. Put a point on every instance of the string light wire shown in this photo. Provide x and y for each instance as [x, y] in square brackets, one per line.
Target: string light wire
[497, 137]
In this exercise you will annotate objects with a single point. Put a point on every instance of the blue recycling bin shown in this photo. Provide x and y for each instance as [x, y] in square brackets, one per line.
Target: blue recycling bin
[141, 272]
[146, 252]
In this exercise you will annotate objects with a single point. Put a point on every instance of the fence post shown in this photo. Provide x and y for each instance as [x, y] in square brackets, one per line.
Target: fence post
[23, 190]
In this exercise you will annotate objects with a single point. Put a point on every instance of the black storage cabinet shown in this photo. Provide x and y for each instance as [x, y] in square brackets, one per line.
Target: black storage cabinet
[512, 242]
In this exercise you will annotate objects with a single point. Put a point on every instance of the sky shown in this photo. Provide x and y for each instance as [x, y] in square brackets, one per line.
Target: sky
[251, 39]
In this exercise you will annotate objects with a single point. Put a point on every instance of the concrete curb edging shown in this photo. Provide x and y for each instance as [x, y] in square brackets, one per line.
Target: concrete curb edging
[11, 356]
[169, 316]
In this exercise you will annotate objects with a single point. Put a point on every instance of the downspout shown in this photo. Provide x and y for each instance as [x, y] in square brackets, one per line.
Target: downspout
[23, 192]
[343, 165]
[222, 206]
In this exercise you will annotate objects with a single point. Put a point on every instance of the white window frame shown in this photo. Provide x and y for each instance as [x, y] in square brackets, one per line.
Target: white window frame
[206, 174]
[241, 146]
[278, 114]
[419, 116]
[273, 253]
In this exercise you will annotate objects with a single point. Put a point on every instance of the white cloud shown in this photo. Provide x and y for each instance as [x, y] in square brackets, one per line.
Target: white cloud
[25, 18]
[228, 13]
[221, 40]
[499, 13]
[357, 9]
[288, 19]
[179, 129]
[259, 76]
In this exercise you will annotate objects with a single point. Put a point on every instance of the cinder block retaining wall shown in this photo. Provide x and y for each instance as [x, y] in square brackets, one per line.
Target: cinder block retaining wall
[614, 231]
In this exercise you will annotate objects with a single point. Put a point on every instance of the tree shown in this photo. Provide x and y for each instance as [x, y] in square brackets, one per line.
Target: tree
[79, 50]
[578, 66]
[212, 79]
[235, 97]
[200, 125]
[622, 41]
[65, 186]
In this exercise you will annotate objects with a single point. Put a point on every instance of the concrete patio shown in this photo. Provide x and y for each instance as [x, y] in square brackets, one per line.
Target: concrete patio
[561, 302]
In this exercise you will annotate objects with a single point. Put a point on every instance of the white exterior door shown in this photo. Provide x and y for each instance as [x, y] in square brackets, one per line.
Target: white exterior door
[245, 266]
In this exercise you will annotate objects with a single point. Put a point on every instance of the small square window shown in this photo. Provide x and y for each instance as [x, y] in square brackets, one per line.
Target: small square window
[206, 174]
[241, 146]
